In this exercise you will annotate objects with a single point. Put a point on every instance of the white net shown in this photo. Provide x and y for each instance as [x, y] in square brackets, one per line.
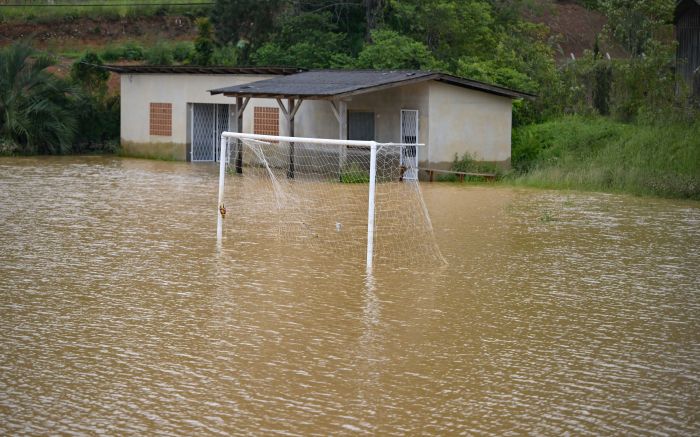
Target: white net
[317, 195]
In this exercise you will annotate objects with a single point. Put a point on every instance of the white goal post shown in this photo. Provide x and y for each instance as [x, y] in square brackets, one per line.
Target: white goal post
[293, 166]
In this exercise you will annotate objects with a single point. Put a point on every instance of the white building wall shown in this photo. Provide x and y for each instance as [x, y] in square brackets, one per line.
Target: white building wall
[138, 91]
[464, 120]
[316, 119]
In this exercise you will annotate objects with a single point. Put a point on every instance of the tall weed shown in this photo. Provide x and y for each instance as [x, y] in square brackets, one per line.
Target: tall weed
[597, 153]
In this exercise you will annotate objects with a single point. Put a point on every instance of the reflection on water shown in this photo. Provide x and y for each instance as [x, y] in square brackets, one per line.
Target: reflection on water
[557, 313]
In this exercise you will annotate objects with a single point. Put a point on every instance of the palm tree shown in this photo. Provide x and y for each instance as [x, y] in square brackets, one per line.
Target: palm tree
[35, 114]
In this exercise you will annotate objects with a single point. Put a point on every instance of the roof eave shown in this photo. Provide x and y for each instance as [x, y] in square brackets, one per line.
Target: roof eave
[485, 87]
[452, 80]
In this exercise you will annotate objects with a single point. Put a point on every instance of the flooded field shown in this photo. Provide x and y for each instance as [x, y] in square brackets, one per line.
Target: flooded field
[557, 313]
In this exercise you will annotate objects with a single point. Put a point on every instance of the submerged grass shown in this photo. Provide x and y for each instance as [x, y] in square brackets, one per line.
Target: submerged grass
[604, 155]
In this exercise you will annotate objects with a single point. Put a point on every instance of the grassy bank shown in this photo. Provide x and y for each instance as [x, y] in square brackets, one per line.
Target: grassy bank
[42, 12]
[603, 155]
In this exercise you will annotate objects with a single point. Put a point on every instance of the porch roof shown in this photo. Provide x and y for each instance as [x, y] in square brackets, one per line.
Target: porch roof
[334, 84]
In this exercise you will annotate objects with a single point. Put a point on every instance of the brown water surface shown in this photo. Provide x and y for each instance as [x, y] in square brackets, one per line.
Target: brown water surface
[557, 313]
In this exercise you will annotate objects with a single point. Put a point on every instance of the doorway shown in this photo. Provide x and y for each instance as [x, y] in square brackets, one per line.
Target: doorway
[208, 121]
[409, 135]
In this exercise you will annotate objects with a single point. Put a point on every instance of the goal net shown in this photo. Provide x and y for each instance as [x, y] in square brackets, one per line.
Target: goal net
[354, 199]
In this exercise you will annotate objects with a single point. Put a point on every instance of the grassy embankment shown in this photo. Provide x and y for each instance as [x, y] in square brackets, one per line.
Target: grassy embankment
[599, 154]
[71, 27]
[39, 11]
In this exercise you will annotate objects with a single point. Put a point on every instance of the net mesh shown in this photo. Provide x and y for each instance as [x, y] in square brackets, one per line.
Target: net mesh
[317, 196]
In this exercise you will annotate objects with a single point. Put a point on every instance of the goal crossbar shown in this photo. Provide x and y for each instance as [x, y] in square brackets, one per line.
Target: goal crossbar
[325, 141]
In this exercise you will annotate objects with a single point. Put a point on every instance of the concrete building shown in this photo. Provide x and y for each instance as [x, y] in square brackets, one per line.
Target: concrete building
[168, 113]
[178, 113]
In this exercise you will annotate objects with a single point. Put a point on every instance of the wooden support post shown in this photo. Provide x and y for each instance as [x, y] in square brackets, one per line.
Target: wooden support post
[342, 132]
[240, 107]
[340, 110]
[290, 122]
[289, 113]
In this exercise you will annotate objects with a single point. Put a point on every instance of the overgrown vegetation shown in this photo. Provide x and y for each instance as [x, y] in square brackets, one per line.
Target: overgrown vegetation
[468, 164]
[42, 113]
[35, 112]
[597, 153]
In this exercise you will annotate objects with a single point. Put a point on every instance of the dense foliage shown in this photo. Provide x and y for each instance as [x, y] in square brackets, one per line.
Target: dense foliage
[97, 113]
[485, 40]
[35, 110]
[41, 113]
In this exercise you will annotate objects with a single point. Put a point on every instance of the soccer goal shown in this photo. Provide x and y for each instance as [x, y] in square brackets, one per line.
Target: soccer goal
[355, 198]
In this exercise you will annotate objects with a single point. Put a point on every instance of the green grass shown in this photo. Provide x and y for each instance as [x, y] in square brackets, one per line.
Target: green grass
[354, 175]
[160, 53]
[66, 10]
[600, 154]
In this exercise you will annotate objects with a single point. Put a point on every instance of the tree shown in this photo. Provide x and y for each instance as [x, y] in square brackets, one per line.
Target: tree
[391, 50]
[373, 14]
[89, 74]
[97, 115]
[244, 23]
[34, 104]
[308, 40]
[637, 23]
[449, 28]
[204, 43]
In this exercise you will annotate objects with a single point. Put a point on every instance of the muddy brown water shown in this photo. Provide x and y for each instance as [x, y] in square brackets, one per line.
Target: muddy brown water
[557, 313]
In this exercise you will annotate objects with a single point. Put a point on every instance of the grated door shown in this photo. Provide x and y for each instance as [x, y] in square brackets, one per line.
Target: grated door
[202, 131]
[409, 135]
[208, 121]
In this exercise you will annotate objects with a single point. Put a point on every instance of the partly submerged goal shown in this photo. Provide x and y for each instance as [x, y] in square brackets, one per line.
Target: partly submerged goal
[353, 198]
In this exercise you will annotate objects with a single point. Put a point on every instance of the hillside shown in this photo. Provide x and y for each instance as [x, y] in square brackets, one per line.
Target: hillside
[75, 33]
[573, 28]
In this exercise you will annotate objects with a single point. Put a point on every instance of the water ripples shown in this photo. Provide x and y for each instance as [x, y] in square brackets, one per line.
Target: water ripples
[558, 313]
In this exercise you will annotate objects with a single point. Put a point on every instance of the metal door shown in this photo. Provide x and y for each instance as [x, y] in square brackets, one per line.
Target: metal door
[409, 135]
[208, 121]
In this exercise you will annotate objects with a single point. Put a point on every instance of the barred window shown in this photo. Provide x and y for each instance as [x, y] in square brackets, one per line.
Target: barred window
[161, 119]
[266, 121]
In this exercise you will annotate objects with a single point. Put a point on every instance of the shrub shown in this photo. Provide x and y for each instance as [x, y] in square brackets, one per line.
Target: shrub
[160, 54]
[468, 164]
[182, 51]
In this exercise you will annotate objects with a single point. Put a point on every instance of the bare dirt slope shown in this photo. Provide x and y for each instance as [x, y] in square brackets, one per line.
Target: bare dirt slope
[573, 27]
[71, 34]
